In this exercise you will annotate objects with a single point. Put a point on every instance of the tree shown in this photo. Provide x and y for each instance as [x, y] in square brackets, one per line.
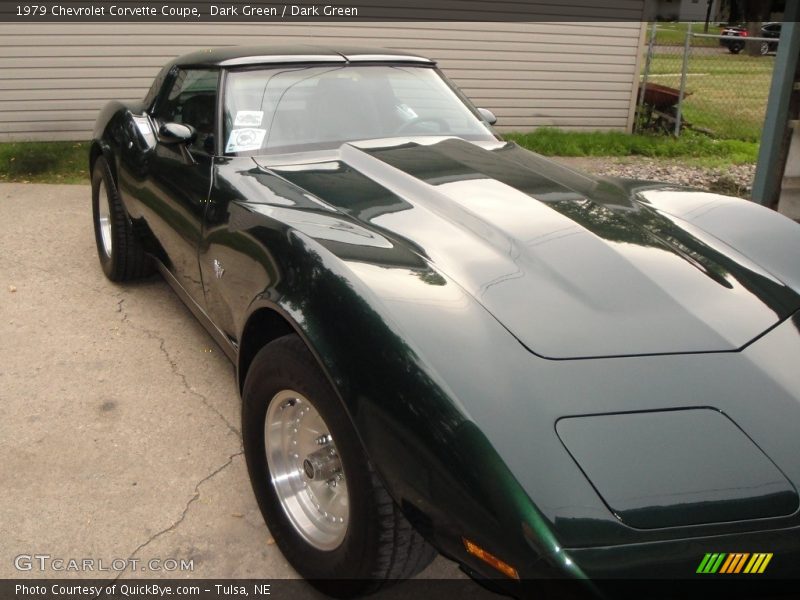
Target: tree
[755, 13]
[733, 8]
[709, 4]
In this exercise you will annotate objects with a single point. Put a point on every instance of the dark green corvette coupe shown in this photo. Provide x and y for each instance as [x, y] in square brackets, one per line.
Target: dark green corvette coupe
[447, 343]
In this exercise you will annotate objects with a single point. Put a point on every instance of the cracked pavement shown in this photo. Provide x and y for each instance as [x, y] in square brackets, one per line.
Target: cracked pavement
[120, 417]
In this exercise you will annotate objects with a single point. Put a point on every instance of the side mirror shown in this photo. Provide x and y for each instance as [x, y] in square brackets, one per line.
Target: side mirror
[176, 133]
[487, 116]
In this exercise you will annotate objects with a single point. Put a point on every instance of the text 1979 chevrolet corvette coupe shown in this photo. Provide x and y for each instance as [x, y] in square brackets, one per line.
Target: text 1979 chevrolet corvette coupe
[444, 341]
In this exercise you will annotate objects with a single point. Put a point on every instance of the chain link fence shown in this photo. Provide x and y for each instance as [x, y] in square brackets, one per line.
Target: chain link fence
[704, 82]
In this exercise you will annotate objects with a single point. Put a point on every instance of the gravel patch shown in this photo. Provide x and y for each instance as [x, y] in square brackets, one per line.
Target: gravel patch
[734, 180]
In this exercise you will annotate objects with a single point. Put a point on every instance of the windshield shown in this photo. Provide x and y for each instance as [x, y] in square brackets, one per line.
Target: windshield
[293, 109]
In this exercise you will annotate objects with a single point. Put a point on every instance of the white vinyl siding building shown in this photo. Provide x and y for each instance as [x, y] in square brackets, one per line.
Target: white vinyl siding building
[54, 77]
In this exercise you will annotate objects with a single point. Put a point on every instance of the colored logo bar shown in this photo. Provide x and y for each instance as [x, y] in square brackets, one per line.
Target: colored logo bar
[734, 562]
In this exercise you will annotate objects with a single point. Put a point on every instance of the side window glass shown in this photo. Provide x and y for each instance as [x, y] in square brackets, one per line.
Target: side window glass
[192, 101]
[155, 89]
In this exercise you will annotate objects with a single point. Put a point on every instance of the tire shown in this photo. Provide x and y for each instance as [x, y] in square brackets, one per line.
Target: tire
[735, 48]
[121, 254]
[764, 48]
[375, 546]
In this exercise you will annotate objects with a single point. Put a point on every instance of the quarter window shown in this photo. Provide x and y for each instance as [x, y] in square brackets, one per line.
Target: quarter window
[158, 83]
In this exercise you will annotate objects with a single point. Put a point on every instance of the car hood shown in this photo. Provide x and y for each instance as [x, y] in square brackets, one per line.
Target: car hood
[573, 266]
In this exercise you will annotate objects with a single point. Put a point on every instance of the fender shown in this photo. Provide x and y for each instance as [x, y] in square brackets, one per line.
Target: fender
[423, 443]
[117, 136]
[761, 234]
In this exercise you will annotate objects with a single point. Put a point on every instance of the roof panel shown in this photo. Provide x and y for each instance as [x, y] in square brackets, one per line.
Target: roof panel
[254, 55]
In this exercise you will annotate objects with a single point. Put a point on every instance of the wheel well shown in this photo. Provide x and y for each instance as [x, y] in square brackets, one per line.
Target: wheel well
[263, 326]
[94, 153]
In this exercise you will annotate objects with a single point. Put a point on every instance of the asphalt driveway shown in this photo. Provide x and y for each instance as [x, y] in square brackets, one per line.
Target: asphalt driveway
[120, 419]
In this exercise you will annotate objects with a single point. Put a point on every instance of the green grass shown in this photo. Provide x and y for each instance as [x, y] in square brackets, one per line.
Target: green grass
[694, 146]
[674, 34]
[44, 162]
[726, 93]
[66, 162]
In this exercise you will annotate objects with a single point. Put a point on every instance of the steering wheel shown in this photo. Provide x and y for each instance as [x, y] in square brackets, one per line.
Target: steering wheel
[408, 125]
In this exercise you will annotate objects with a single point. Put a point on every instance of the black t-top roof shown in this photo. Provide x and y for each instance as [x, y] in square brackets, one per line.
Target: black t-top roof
[232, 56]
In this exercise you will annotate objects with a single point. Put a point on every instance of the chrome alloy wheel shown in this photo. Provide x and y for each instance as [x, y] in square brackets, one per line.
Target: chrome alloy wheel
[104, 217]
[305, 470]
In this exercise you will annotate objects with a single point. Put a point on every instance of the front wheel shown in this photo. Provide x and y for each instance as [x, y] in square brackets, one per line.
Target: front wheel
[121, 254]
[326, 508]
[764, 48]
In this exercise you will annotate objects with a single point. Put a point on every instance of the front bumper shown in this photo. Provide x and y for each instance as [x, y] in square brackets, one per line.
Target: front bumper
[666, 569]
[680, 559]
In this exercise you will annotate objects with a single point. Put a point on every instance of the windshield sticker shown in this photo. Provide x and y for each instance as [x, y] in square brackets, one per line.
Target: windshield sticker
[242, 140]
[248, 118]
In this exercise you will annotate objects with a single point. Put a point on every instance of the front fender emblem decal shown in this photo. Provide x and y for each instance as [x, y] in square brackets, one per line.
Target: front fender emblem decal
[219, 271]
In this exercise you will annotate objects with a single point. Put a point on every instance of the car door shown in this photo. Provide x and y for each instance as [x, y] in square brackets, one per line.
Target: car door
[772, 30]
[179, 174]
